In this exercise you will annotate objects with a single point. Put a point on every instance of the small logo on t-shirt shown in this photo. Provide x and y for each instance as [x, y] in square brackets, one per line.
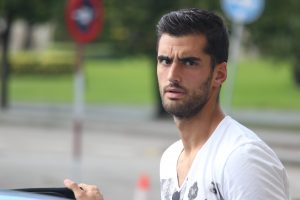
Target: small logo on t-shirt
[193, 192]
[215, 190]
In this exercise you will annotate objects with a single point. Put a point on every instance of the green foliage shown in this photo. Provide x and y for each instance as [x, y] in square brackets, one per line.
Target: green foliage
[50, 63]
[33, 11]
[277, 32]
[129, 25]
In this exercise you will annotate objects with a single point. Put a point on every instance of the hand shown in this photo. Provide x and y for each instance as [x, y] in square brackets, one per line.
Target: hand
[84, 191]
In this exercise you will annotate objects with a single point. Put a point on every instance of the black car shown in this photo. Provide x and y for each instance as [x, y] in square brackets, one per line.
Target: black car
[37, 194]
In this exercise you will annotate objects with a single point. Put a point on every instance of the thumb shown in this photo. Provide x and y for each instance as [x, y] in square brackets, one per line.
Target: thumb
[72, 186]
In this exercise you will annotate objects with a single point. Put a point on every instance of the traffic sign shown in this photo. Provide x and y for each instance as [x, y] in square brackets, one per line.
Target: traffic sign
[84, 19]
[243, 11]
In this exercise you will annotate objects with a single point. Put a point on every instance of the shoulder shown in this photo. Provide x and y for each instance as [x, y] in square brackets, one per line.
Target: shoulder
[242, 143]
[241, 147]
[253, 155]
[255, 172]
[246, 167]
[232, 135]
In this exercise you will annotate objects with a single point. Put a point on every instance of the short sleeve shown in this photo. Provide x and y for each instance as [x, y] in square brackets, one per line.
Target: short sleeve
[253, 171]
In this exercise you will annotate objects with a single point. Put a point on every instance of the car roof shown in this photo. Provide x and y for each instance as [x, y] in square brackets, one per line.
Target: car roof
[17, 195]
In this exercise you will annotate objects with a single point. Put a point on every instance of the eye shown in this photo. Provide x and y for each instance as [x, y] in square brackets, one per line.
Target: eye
[189, 62]
[164, 60]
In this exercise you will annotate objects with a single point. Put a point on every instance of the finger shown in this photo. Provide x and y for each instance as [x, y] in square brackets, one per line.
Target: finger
[83, 186]
[87, 187]
[73, 186]
[91, 189]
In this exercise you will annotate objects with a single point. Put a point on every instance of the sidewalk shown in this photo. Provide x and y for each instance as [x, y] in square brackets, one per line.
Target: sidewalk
[270, 118]
[54, 112]
[281, 130]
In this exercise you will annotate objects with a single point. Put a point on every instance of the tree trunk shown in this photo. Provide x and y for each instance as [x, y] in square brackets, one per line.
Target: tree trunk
[5, 61]
[296, 71]
[28, 36]
[160, 111]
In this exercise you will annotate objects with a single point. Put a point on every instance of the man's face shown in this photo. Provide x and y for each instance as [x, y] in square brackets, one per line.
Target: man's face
[184, 74]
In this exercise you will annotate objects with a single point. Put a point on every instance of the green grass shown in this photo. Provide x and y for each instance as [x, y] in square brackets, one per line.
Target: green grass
[265, 84]
[259, 84]
[126, 81]
[41, 89]
[123, 81]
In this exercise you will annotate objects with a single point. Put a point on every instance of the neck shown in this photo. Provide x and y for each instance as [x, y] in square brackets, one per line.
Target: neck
[196, 130]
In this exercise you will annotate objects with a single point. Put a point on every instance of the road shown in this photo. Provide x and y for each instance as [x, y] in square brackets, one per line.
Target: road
[114, 155]
[42, 157]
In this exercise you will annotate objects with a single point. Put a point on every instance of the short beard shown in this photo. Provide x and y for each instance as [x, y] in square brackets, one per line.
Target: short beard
[193, 105]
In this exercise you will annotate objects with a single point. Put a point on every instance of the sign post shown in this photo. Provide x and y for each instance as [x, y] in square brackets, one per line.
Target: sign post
[240, 12]
[84, 19]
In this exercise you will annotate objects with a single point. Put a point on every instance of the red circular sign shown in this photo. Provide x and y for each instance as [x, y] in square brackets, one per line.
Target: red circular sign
[84, 19]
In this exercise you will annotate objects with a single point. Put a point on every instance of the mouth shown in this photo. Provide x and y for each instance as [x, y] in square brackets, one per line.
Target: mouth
[174, 93]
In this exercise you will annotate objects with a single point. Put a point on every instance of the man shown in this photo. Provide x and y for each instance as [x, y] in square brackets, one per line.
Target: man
[217, 158]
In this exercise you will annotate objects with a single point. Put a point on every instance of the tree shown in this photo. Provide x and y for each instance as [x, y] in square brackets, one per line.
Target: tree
[32, 11]
[277, 32]
[129, 26]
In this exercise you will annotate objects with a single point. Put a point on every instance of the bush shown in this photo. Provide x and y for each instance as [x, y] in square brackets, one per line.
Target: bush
[50, 63]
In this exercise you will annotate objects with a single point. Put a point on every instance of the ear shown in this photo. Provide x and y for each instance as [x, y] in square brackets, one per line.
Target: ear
[220, 74]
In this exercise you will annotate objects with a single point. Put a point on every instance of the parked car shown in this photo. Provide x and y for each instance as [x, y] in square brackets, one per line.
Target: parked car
[37, 194]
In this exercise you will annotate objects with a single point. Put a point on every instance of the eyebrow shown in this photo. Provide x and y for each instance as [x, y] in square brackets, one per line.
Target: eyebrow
[162, 57]
[189, 58]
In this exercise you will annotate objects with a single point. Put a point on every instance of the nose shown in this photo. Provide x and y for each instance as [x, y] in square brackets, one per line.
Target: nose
[174, 74]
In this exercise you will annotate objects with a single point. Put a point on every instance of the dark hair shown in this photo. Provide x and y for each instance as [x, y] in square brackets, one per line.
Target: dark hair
[197, 21]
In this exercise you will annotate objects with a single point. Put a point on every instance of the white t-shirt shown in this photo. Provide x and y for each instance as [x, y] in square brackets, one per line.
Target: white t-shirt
[233, 164]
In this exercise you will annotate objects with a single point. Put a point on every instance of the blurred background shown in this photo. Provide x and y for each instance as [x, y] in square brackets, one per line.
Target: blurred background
[123, 128]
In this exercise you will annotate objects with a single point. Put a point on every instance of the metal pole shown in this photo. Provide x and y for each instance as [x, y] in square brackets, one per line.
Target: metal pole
[235, 41]
[78, 112]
